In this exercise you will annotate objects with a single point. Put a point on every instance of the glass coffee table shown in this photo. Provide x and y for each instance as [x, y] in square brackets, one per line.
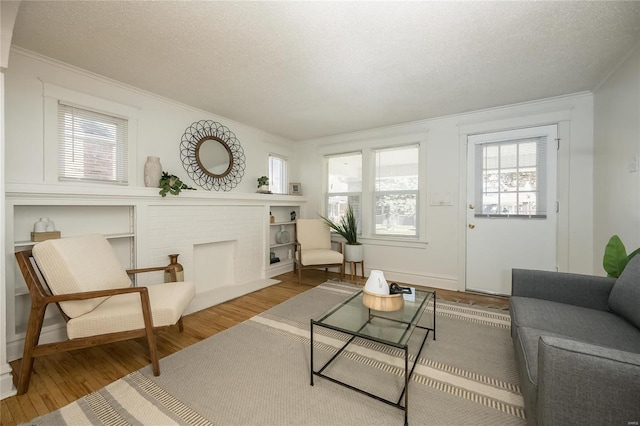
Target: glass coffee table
[395, 328]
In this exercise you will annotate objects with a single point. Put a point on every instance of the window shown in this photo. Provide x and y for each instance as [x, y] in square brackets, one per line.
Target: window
[344, 185]
[396, 191]
[510, 180]
[277, 174]
[91, 146]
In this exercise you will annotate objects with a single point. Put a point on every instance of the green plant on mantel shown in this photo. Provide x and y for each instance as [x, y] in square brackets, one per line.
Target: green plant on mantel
[171, 184]
[615, 257]
[347, 228]
[263, 181]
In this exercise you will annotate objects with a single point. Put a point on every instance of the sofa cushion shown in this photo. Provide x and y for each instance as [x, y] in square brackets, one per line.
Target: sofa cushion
[124, 312]
[575, 322]
[624, 299]
[79, 264]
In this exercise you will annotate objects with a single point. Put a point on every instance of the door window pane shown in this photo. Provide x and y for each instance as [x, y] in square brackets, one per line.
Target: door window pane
[510, 177]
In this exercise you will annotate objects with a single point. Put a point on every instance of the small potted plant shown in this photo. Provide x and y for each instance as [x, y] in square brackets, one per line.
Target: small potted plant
[172, 184]
[347, 228]
[263, 184]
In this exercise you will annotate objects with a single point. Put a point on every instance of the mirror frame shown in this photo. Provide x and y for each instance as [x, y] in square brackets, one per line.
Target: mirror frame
[192, 139]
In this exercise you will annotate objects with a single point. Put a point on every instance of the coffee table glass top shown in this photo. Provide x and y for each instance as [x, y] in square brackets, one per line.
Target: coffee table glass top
[391, 328]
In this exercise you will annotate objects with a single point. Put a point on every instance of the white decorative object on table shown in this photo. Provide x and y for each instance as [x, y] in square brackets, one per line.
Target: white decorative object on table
[377, 284]
[152, 172]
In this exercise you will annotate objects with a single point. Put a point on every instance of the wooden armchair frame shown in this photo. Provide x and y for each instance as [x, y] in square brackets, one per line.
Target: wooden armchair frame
[299, 265]
[41, 297]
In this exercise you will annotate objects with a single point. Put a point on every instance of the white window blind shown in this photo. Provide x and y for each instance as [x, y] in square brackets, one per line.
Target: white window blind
[92, 146]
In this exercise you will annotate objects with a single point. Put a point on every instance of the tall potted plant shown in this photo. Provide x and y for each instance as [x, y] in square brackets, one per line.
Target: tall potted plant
[347, 228]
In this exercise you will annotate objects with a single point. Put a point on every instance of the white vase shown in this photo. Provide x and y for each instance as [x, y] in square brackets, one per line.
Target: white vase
[353, 252]
[377, 284]
[51, 226]
[152, 172]
[41, 225]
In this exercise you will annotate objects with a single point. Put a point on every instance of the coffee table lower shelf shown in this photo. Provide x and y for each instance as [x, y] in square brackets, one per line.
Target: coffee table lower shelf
[407, 373]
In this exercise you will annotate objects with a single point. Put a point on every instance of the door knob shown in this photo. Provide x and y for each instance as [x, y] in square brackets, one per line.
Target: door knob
[472, 225]
[472, 206]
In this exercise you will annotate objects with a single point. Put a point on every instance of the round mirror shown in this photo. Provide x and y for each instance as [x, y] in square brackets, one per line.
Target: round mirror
[214, 156]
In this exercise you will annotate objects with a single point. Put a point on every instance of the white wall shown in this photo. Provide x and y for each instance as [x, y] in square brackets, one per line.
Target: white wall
[617, 144]
[8, 14]
[440, 262]
[160, 124]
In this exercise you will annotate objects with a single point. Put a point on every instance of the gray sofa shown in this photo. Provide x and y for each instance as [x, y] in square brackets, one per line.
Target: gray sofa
[577, 346]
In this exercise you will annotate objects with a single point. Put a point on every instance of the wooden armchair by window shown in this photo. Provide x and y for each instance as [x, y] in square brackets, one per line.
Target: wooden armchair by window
[313, 247]
[84, 278]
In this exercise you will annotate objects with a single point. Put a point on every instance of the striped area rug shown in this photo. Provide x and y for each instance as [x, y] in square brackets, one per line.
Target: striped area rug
[258, 373]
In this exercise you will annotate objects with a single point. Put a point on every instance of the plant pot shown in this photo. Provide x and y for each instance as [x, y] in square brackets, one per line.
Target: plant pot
[353, 252]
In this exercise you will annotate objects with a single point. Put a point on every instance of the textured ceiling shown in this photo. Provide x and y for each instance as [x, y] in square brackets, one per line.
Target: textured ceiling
[309, 69]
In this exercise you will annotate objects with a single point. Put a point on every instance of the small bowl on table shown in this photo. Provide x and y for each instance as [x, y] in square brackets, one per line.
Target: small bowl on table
[384, 303]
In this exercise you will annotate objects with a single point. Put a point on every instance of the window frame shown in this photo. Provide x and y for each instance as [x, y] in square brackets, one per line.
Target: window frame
[119, 162]
[285, 180]
[52, 95]
[540, 169]
[347, 194]
[368, 147]
[375, 194]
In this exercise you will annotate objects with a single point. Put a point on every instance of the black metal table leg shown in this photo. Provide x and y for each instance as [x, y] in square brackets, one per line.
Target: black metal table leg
[434, 315]
[406, 385]
[311, 360]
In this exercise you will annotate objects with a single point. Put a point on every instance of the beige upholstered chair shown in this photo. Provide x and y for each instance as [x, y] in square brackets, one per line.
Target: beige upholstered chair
[83, 276]
[313, 247]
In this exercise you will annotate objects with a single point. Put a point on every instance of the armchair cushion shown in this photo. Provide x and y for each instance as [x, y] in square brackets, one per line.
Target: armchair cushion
[124, 312]
[313, 234]
[624, 298]
[320, 257]
[79, 264]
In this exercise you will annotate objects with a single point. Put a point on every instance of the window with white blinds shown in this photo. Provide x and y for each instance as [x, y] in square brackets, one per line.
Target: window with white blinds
[92, 146]
[511, 178]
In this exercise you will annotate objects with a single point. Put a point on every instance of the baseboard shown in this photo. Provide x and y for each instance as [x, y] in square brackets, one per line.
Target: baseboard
[56, 334]
[6, 382]
[219, 295]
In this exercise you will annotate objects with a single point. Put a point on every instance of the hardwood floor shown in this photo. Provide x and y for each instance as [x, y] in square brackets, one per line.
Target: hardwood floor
[62, 378]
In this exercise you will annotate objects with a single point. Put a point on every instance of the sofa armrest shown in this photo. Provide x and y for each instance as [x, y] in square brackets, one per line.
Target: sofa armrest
[580, 383]
[589, 291]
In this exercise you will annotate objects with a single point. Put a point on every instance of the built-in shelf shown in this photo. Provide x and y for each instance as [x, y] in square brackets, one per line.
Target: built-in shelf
[281, 245]
[282, 219]
[107, 236]
[72, 217]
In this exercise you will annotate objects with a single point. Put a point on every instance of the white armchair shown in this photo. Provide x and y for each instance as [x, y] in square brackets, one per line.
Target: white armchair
[83, 276]
[313, 247]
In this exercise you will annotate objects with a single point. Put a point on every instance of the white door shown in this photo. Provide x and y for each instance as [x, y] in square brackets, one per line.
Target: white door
[511, 209]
